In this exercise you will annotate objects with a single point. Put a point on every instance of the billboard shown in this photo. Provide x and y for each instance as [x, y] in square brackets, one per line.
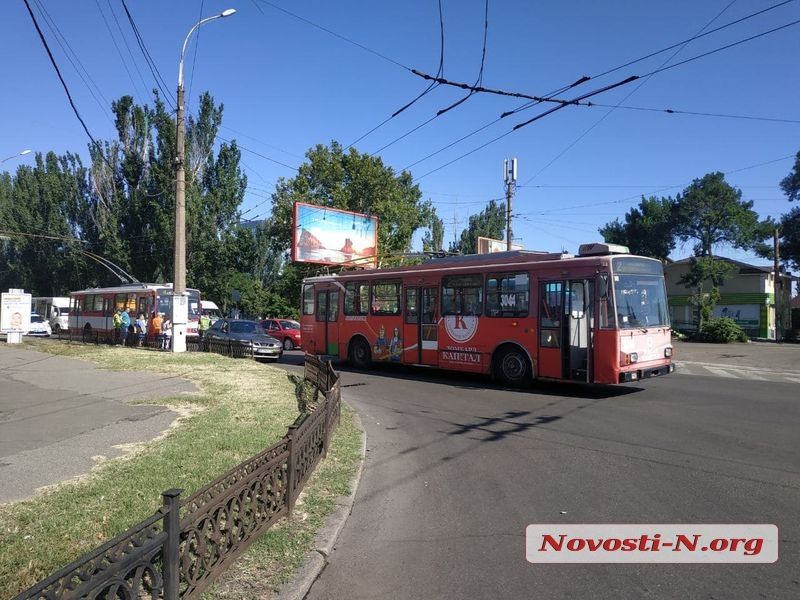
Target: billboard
[15, 312]
[488, 245]
[330, 236]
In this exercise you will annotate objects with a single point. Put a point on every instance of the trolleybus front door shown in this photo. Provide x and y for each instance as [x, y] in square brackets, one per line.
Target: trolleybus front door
[327, 322]
[565, 322]
[420, 337]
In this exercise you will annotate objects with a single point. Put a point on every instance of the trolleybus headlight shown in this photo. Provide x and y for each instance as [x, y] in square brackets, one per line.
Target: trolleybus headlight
[668, 351]
[633, 357]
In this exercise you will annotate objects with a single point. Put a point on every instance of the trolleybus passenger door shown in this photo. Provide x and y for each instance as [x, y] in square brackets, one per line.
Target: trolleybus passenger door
[579, 314]
[565, 322]
[327, 328]
[420, 323]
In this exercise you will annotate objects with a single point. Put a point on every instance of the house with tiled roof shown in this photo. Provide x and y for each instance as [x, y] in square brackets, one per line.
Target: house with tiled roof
[747, 296]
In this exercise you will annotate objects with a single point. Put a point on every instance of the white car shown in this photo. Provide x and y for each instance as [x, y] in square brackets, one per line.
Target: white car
[39, 326]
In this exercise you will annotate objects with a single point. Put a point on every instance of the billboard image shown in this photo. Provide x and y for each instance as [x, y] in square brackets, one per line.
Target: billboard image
[489, 245]
[330, 236]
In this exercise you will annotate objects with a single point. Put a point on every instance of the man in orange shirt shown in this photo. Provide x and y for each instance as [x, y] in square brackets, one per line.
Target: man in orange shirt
[155, 327]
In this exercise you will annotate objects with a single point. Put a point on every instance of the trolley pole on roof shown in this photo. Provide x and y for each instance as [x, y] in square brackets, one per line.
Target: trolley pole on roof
[510, 173]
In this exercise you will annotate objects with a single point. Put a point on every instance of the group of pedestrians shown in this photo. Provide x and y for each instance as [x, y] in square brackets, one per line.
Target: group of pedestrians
[158, 328]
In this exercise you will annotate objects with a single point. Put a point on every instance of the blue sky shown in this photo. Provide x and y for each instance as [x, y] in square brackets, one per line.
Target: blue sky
[295, 74]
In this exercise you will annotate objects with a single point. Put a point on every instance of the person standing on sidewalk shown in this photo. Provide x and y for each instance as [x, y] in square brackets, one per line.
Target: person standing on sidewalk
[116, 321]
[205, 323]
[125, 317]
[155, 328]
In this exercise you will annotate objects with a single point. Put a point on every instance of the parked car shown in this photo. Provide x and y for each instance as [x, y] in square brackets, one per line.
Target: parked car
[39, 326]
[245, 332]
[286, 330]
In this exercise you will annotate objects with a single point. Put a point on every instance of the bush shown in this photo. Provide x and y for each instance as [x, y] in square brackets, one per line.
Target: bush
[722, 331]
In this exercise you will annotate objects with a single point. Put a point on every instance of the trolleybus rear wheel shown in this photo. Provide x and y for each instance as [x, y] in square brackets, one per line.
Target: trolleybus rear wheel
[360, 353]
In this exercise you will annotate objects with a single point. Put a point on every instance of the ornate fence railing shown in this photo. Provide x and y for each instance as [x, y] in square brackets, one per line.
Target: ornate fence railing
[179, 550]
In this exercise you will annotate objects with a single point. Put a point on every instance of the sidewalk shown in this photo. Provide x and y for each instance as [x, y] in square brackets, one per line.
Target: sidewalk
[59, 416]
[761, 355]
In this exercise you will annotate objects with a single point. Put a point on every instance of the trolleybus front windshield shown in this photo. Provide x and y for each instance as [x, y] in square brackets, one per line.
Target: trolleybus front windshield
[639, 293]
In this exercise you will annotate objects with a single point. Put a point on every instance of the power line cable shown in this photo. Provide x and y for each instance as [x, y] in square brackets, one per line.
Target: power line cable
[564, 103]
[194, 59]
[114, 41]
[695, 37]
[645, 79]
[439, 72]
[148, 59]
[334, 34]
[479, 80]
[69, 53]
[551, 97]
[60, 78]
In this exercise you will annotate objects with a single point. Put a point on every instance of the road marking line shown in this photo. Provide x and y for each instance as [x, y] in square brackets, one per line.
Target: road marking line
[721, 372]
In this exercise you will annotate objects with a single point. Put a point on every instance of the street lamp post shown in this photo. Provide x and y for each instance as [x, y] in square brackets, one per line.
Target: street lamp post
[180, 308]
[24, 152]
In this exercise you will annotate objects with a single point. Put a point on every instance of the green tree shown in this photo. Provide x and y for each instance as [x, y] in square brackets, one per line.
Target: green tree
[490, 222]
[433, 239]
[349, 181]
[129, 216]
[790, 238]
[35, 211]
[649, 230]
[711, 212]
[705, 275]
[791, 183]
[790, 222]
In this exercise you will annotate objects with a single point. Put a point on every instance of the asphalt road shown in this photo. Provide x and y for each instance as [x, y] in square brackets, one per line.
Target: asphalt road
[456, 469]
[59, 416]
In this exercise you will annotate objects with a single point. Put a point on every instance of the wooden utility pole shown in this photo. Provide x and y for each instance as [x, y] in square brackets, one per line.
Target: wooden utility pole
[510, 174]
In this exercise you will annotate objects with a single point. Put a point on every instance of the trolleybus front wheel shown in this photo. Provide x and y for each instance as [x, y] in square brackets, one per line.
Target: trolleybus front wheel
[360, 354]
[512, 368]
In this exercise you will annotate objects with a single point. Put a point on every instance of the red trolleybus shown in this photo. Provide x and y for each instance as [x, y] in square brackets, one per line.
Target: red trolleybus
[598, 317]
[92, 310]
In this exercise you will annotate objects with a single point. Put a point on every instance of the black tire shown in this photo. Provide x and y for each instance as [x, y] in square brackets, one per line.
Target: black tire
[288, 344]
[512, 368]
[360, 354]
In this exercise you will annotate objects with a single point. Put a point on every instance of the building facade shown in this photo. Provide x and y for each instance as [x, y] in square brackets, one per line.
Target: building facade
[747, 296]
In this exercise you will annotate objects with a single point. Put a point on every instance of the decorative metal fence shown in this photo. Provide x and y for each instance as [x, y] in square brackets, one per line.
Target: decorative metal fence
[186, 544]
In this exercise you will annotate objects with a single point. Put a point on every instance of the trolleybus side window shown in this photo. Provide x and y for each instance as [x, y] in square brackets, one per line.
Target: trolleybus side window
[308, 299]
[322, 305]
[386, 298]
[462, 295]
[507, 295]
[333, 305]
[356, 298]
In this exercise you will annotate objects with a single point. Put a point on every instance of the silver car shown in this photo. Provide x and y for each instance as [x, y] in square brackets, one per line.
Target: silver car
[240, 337]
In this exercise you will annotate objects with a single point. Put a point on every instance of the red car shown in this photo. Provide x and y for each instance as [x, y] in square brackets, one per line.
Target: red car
[286, 330]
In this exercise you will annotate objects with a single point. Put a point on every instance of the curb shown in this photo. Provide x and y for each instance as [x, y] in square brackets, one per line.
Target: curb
[317, 559]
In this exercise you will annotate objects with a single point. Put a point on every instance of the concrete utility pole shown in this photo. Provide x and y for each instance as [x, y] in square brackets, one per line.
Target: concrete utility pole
[510, 173]
[180, 308]
[776, 284]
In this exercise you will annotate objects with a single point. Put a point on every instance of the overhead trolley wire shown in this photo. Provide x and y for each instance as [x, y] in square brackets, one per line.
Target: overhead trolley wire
[149, 60]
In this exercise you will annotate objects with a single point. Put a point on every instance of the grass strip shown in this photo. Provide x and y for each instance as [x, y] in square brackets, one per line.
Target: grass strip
[242, 407]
